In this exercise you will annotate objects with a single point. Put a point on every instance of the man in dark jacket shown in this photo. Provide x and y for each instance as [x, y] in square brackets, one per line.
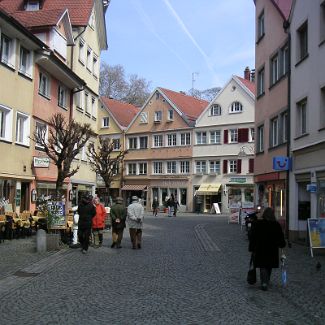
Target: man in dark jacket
[265, 240]
[86, 212]
[118, 216]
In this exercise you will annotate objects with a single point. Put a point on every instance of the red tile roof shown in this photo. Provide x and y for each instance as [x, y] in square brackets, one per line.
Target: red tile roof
[284, 6]
[79, 10]
[122, 112]
[248, 84]
[190, 106]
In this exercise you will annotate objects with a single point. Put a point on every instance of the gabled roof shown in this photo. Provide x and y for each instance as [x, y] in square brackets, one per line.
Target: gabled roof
[123, 113]
[190, 106]
[79, 10]
[248, 84]
[283, 6]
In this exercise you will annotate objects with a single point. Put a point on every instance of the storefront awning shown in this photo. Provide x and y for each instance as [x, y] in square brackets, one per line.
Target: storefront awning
[208, 189]
[131, 187]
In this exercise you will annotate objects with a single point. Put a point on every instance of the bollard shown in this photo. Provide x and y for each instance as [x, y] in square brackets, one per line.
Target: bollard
[41, 241]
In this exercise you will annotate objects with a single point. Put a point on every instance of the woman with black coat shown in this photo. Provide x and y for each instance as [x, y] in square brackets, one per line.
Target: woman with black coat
[265, 240]
[86, 211]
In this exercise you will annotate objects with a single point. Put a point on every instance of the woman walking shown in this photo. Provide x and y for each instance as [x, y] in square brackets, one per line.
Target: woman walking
[265, 240]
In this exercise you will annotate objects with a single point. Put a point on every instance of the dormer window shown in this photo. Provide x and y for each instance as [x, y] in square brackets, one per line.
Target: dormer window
[32, 5]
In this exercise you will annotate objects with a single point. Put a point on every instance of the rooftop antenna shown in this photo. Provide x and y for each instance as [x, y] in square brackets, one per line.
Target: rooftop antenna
[194, 74]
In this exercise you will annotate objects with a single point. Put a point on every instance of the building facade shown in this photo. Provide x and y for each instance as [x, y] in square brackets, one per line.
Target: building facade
[307, 180]
[223, 152]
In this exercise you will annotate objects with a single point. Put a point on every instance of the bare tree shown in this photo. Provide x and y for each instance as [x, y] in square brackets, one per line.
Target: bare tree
[114, 84]
[207, 94]
[64, 142]
[105, 160]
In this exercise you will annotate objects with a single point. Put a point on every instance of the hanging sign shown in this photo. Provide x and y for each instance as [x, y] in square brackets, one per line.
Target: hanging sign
[41, 162]
[281, 163]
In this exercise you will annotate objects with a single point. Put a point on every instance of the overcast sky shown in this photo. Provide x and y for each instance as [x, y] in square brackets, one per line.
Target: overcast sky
[166, 41]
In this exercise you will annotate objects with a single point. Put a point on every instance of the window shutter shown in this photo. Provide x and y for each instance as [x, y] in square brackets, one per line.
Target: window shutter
[225, 136]
[251, 165]
[239, 166]
[225, 166]
[242, 135]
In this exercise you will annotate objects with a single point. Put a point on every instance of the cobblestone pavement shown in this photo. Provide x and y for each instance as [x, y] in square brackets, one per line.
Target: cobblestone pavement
[191, 270]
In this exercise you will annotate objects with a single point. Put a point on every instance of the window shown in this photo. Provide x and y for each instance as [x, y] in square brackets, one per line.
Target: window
[133, 143]
[185, 167]
[25, 64]
[158, 116]
[200, 167]
[62, 97]
[215, 137]
[201, 137]
[132, 169]
[116, 144]
[215, 110]
[22, 129]
[93, 107]
[8, 48]
[32, 5]
[105, 123]
[78, 100]
[144, 117]
[157, 167]
[236, 107]
[284, 59]
[322, 21]
[95, 66]
[302, 41]
[274, 69]
[82, 50]
[251, 135]
[260, 26]
[260, 138]
[157, 140]
[170, 115]
[87, 102]
[284, 127]
[233, 136]
[41, 131]
[171, 167]
[260, 82]
[274, 139]
[302, 117]
[92, 20]
[143, 142]
[185, 139]
[89, 60]
[44, 85]
[157, 95]
[142, 168]
[5, 123]
[215, 166]
[232, 166]
[171, 140]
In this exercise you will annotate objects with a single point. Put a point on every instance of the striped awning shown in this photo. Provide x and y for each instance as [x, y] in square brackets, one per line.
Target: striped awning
[208, 189]
[132, 187]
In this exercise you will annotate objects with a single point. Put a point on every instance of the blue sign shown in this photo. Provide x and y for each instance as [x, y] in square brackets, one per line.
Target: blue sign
[281, 163]
[312, 188]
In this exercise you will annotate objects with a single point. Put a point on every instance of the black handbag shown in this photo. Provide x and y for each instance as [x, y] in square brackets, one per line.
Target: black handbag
[251, 274]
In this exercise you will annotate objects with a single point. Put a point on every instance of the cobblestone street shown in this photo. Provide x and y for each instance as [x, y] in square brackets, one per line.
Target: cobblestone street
[191, 270]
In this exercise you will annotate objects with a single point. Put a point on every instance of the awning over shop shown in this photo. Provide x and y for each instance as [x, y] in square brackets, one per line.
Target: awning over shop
[208, 189]
[131, 187]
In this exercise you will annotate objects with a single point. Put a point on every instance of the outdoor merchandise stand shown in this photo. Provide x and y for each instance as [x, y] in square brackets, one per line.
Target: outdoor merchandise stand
[316, 230]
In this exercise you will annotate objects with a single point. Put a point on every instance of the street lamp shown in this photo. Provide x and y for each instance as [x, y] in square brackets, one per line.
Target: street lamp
[242, 151]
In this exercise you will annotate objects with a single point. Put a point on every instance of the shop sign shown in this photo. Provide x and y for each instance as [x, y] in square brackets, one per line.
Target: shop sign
[281, 163]
[312, 188]
[57, 209]
[41, 162]
[240, 180]
[18, 197]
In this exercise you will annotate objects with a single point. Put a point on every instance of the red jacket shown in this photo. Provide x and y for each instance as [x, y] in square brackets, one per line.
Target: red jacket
[99, 219]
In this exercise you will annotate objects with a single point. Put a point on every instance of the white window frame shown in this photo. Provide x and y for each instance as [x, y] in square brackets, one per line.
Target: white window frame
[200, 167]
[236, 107]
[143, 117]
[158, 116]
[82, 49]
[170, 115]
[89, 60]
[132, 143]
[232, 166]
[44, 89]
[105, 122]
[215, 110]
[157, 167]
[6, 117]
[22, 128]
[93, 107]
[261, 25]
[302, 117]
[26, 68]
[261, 82]
[62, 96]
[32, 5]
[274, 132]
[233, 136]
[171, 140]
[186, 139]
[214, 166]
[132, 169]
[171, 167]
[86, 102]
[185, 167]
[251, 135]
[143, 168]
[201, 137]
[260, 139]
[95, 65]
[8, 57]
[215, 137]
[116, 144]
[39, 126]
[158, 140]
[275, 69]
[143, 142]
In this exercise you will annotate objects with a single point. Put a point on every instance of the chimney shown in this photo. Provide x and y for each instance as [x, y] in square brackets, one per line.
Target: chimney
[247, 74]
